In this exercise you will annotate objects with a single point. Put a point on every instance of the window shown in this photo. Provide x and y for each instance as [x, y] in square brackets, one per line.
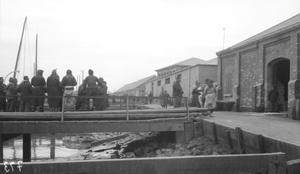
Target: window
[167, 81]
[159, 83]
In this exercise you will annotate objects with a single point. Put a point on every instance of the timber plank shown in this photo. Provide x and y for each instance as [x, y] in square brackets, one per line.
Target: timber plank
[225, 164]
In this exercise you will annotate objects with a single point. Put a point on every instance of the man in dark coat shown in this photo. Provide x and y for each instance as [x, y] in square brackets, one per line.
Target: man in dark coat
[39, 90]
[91, 84]
[25, 90]
[53, 90]
[272, 97]
[102, 103]
[177, 92]
[68, 83]
[11, 95]
[2, 95]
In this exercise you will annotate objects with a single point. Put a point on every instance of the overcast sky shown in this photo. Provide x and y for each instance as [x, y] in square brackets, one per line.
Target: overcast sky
[127, 40]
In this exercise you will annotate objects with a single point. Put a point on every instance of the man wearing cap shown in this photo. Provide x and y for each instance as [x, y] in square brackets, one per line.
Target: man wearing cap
[90, 84]
[68, 82]
[25, 90]
[2, 95]
[39, 90]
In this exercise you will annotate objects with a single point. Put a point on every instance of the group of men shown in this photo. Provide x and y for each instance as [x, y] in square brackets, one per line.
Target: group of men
[30, 96]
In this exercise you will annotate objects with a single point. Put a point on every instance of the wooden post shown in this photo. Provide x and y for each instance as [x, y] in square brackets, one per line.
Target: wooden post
[52, 146]
[261, 144]
[63, 108]
[239, 136]
[229, 140]
[214, 131]
[1, 149]
[127, 114]
[26, 147]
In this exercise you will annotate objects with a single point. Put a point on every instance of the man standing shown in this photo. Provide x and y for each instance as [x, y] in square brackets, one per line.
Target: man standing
[39, 89]
[2, 95]
[272, 97]
[25, 90]
[90, 84]
[68, 82]
[11, 95]
[53, 90]
[177, 92]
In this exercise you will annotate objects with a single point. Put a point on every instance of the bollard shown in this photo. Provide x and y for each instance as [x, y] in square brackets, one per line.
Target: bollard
[63, 108]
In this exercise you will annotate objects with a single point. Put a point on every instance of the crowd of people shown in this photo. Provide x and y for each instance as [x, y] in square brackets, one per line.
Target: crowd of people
[30, 96]
[203, 96]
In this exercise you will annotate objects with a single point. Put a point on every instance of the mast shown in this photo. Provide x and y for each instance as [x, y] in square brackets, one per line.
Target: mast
[36, 53]
[18, 56]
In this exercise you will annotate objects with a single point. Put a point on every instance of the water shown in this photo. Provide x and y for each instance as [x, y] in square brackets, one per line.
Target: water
[40, 149]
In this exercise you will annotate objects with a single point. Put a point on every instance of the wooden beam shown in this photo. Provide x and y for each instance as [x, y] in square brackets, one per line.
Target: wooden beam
[89, 126]
[1, 148]
[214, 131]
[214, 164]
[293, 166]
[52, 146]
[229, 140]
[239, 136]
[26, 147]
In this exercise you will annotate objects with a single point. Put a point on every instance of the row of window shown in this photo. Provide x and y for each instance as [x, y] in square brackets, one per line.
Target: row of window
[166, 73]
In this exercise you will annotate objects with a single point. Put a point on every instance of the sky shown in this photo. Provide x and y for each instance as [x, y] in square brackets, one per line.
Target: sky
[127, 40]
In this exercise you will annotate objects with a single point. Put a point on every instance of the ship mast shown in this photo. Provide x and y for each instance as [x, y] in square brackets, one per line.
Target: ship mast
[18, 56]
[36, 54]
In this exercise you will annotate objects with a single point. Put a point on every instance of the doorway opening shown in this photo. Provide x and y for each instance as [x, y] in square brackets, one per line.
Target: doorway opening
[280, 78]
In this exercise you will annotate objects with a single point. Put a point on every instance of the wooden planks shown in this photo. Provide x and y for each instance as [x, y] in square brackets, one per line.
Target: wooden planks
[225, 164]
[89, 126]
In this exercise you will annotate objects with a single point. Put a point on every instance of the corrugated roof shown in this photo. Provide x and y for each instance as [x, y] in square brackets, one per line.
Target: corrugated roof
[291, 22]
[135, 84]
[190, 62]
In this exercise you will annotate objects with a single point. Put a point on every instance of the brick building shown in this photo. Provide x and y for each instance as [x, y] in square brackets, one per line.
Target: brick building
[189, 70]
[247, 70]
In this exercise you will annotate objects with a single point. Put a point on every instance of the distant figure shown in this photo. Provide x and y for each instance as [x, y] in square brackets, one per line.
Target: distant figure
[203, 87]
[195, 94]
[102, 103]
[2, 95]
[11, 95]
[25, 90]
[90, 84]
[68, 82]
[163, 101]
[177, 92]
[80, 102]
[39, 89]
[150, 97]
[53, 90]
[272, 97]
[210, 97]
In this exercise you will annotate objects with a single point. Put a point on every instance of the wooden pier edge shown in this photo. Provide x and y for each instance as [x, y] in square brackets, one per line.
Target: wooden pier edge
[214, 164]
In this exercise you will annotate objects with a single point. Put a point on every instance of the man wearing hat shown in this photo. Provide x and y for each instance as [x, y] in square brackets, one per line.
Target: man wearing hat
[38, 92]
[68, 82]
[91, 84]
[25, 90]
[54, 91]
[2, 95]
[272, 97]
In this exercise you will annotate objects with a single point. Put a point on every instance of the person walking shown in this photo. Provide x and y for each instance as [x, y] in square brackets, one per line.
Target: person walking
[53, 90]
[25, 90]
[210, 97]
[2, 95]
[39, 90]
[68, 82]
[177, 92]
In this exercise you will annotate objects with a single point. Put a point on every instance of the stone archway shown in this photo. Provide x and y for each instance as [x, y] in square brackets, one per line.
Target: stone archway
[279, 75]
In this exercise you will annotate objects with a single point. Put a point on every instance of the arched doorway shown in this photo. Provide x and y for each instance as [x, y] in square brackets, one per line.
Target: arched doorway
[280, 76]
